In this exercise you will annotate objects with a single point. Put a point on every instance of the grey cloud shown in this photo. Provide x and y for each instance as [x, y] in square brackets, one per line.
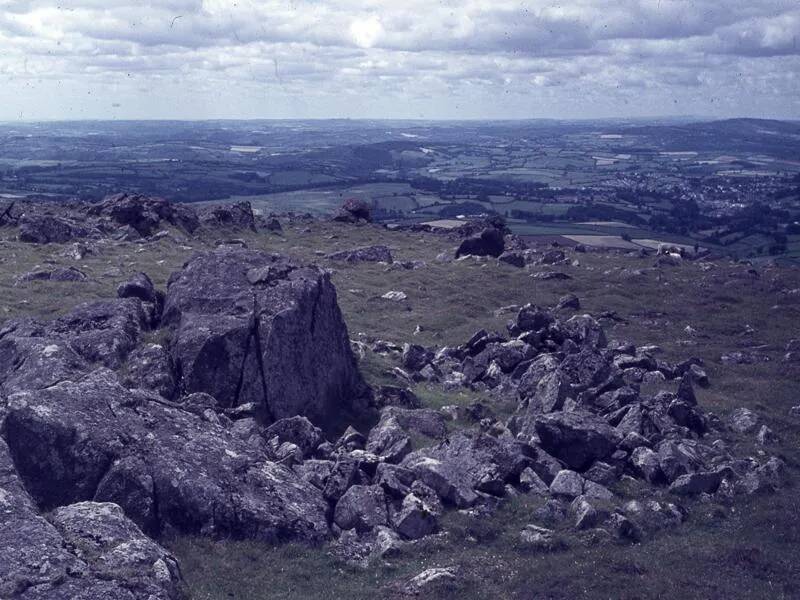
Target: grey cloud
[413, 53]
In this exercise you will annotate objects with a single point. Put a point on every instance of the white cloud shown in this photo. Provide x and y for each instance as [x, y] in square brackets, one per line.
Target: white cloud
[411, 58]
[366, 32]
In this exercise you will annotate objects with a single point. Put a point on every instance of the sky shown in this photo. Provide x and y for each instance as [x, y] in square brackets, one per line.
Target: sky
[417, 59]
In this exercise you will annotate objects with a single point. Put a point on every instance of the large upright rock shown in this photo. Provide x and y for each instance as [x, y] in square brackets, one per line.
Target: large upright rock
[257, 327]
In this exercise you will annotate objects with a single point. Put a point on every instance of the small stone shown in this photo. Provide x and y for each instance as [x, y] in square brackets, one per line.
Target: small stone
[567, 483]
[531, 483]
[766, 436]
[743, 420]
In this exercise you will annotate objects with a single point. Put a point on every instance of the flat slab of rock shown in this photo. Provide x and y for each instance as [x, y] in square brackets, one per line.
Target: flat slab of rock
[363, 254]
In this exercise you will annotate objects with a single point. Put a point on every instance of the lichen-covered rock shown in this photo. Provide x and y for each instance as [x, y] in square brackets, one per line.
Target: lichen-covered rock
[362, 508]
[238, 215]
[150, 367]
[57, 274]
[166, 467]
[422, 421]
[102, 332]
[389, 440]
[297, 430]
[466, 464]
[85, 555]
[257, 327]
[567, 483]
[101, 535]
[414, 520]
[139, 286]
[35, 356]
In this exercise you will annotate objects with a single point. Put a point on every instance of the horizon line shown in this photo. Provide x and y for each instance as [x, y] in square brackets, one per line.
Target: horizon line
[687, 118]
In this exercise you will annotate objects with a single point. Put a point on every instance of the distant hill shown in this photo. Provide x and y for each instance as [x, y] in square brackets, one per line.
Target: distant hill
[767, 136]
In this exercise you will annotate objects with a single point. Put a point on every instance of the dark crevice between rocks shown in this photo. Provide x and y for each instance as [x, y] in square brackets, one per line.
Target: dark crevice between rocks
[317, 298]
[157, 521]
[266, 409]
[6, 214]
[253, 325]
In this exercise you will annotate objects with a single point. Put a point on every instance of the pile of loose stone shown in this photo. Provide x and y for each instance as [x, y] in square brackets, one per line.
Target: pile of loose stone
[610, 436]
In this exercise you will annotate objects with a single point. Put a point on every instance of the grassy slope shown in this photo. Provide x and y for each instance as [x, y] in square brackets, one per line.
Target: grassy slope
[745, 552]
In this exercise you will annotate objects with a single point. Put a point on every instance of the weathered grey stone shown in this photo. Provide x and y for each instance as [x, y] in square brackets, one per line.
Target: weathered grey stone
[692, 484]
[344, 474]
[415, 357]
[74, 441]
[93, 552]
[388, 440]
[567, 483]
[586, 516]
[49, 229]
[646, 464]
[531, 483]
[354, 210]
[236, 216]
[395, 480]
[256, 327]
[468, 464]
[361, 508]
[540, 538]
[743, 420]
[414, 520]
[101, 535]
[578, 439]
[150, 367]
[488, 242]
[425, 421]
[297, 430]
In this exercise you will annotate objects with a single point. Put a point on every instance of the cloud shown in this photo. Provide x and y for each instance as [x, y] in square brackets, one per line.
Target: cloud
[410, 58]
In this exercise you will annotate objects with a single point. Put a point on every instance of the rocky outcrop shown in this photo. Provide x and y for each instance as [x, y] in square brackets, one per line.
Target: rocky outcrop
[363, 254]
[57, 274]
[86, 550]
[144, 214]
[488, 242]
[354, 210]
[237, 216]
[252, 327]
[47, 229]
[166, 467]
